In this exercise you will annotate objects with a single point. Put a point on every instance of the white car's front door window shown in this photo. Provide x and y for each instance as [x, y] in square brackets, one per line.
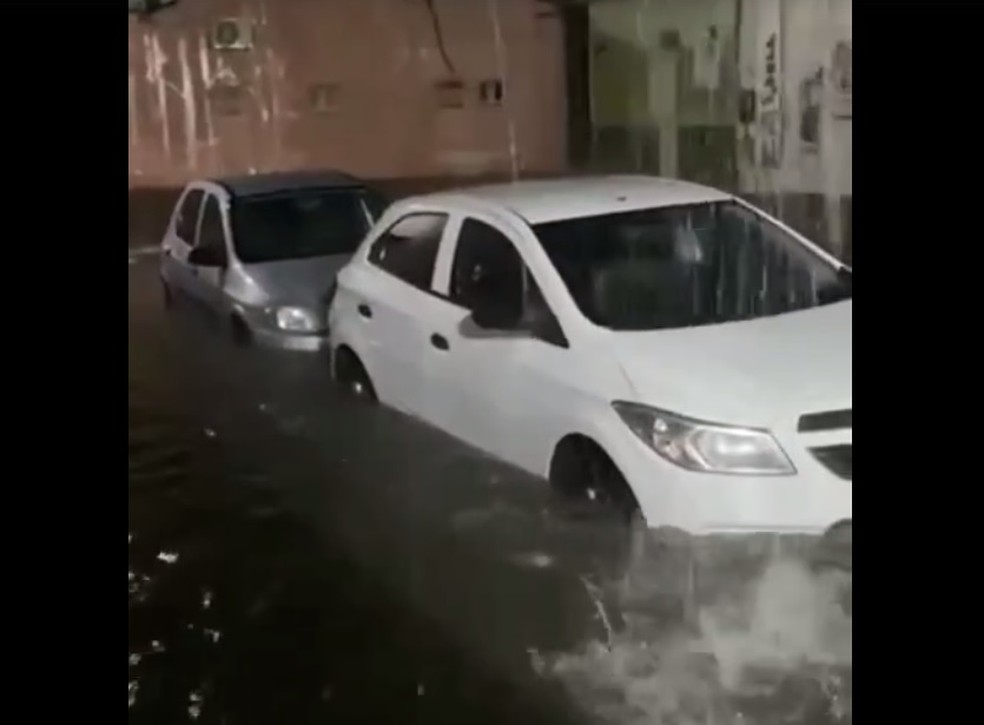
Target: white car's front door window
[486, 375]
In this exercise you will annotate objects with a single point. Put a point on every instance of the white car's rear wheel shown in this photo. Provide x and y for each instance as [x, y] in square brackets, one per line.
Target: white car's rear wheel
[351, 376]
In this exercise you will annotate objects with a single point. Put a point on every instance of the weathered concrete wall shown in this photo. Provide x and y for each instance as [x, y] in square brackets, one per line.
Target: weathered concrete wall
[352, 84]
[346, 83]
[667, 85]
[808, 147]
[151, 206]
[796, 56]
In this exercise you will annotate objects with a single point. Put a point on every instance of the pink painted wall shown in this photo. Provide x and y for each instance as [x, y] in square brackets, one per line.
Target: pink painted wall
[383, 59]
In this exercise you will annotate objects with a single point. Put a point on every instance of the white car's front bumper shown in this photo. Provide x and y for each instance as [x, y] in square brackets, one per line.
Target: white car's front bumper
[809, 502]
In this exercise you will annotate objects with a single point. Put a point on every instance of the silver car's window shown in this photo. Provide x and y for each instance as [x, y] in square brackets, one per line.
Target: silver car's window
[211, 233]
[187, 219]
[297, 224]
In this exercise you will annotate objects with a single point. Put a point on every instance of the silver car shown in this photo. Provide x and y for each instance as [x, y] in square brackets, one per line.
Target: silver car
[261, 251]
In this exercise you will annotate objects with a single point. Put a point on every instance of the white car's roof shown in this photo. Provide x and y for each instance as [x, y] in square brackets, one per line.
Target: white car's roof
[555, 199]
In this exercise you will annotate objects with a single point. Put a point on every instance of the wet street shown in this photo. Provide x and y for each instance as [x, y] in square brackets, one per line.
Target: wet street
[296, 558]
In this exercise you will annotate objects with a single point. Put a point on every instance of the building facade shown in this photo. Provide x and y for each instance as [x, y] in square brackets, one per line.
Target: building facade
[749, 95]
[752, 96]
[381, 88]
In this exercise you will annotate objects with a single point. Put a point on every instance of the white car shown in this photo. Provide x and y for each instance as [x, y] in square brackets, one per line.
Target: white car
[649, 342]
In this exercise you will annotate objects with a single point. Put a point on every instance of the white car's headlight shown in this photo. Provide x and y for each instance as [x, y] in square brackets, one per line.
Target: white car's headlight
[297, 319]
[706, 447]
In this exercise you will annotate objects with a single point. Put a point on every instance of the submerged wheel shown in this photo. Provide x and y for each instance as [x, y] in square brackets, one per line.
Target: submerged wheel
[661, 573]
[584, 475]
[351, 376]
[656, 570]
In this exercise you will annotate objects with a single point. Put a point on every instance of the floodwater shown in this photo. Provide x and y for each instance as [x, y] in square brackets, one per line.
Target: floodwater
[295, 558]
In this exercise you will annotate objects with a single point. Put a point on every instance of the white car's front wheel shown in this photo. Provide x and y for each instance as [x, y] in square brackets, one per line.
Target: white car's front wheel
[652, 570]
[660, 573]
[589, 481]
[647, 567]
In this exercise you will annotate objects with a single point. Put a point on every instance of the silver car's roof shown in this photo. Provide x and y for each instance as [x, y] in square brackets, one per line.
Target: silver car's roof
[286, 180]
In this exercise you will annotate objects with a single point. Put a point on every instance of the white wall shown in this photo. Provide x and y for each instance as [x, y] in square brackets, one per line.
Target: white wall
[653, 92]
[809, 32]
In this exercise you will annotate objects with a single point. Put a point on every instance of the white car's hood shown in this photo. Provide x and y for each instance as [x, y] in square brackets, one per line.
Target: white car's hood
[764, 372]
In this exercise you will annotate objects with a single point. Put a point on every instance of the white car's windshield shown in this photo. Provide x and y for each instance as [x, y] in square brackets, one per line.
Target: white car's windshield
[687, 265]
[301, 223]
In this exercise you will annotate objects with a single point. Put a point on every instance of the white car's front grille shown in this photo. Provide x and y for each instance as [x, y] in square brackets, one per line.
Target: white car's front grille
[825, 421]
[836, 457]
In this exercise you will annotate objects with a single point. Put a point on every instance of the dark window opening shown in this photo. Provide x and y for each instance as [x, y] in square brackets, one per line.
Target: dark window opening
[490, 92]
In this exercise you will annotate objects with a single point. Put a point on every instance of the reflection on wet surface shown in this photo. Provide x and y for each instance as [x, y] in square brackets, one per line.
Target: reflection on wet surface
[294, 558]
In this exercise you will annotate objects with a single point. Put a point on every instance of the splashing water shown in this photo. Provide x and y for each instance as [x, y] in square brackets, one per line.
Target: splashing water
[777, 649]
